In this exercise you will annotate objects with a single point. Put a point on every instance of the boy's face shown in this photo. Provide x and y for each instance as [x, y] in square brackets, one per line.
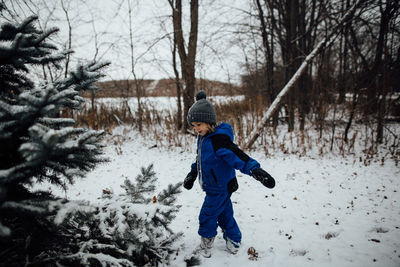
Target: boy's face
[200, 127]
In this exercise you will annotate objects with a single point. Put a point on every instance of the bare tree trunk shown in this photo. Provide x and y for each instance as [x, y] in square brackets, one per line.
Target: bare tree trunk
[343, 60]
[352, 112]
[178, 88]
[270, 64]
[380, 118]
[369, 78]
[268, 54]
[387, 15]
[188, 59]
[69, 46]
[291, 46]
[321, 45]
[305, 45]
[139, 117]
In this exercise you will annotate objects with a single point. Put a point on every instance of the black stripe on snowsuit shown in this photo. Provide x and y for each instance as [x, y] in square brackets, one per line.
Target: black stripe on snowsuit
[223, 141]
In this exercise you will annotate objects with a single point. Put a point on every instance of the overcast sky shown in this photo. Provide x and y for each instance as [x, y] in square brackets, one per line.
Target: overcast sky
[105, 24]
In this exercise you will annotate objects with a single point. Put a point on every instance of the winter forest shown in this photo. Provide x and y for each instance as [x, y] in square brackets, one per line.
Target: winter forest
[95, 143]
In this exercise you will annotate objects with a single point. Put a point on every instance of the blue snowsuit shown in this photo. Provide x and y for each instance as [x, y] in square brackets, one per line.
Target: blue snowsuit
[217, 159]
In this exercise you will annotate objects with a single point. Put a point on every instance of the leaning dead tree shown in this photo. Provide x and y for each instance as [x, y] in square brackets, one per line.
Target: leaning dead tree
[326, 42]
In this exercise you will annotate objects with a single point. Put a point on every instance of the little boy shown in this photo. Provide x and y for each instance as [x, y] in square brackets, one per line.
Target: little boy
[216, 161]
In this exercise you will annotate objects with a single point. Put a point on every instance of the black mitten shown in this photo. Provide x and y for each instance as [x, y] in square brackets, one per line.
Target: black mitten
[264, 177]
[189, 180]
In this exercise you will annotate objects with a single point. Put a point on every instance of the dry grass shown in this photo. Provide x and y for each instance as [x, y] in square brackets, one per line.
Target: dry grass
[160, 128]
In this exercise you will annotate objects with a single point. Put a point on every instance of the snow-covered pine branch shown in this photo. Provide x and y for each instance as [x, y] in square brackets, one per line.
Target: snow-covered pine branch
[123, 227]
[167, 196]
[145, 184]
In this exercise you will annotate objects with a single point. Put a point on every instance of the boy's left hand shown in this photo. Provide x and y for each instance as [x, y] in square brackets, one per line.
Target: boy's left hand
[264, 177]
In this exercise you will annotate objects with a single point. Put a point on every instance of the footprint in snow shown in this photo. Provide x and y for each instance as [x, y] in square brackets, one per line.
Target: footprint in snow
[330, 235]
[298, 252]
[380, 229]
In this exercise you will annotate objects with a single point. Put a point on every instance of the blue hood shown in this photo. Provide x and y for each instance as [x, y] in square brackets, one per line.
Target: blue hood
[224, 128]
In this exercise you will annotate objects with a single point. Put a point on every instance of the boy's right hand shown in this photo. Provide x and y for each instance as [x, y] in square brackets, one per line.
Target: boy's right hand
[189, 180]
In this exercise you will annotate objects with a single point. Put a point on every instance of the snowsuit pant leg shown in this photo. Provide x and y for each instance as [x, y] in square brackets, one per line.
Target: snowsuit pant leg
[228, 223]
[217, 210]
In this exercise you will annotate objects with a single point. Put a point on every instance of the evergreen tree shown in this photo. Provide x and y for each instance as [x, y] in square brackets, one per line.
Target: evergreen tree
[38, 229]
[36, 144]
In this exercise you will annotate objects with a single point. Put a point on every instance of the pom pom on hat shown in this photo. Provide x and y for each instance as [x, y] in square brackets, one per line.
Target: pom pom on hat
[201, 95]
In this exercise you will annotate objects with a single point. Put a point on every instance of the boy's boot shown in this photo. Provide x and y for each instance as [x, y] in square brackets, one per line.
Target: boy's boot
[232, 246]
[206, 246]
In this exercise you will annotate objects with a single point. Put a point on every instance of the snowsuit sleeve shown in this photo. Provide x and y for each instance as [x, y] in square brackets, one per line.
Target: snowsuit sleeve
[232, 154]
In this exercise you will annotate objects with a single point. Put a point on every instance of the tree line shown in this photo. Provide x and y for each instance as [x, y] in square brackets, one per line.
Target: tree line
[358, 70]
[362, 63]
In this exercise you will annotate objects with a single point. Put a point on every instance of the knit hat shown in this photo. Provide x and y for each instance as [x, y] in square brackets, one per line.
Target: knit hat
[202, 110]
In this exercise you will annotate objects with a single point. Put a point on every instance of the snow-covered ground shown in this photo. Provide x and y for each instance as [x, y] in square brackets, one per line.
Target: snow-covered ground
[331, 211]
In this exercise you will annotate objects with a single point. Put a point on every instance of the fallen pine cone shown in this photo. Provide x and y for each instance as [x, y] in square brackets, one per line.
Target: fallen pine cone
[253, 254]
[107, 191]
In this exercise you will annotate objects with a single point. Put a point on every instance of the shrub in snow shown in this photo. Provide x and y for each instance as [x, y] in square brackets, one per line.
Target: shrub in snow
[131, 229]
